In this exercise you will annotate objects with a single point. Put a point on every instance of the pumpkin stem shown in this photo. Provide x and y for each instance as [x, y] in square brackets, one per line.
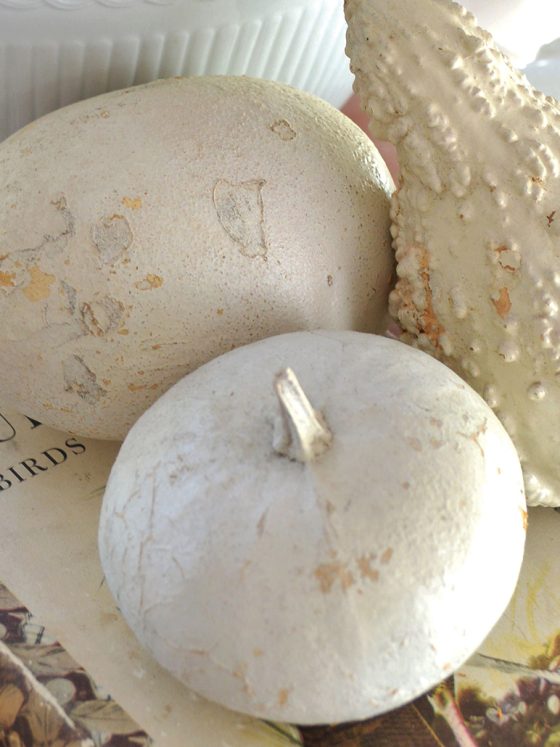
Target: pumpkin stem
[301, 433]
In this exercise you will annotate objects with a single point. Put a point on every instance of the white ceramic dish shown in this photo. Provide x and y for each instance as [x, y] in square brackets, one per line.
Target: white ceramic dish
[544, 72]
[520, 27]
[54, 52]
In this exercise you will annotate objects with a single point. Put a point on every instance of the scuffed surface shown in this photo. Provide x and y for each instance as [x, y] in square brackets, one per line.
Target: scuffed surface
[240, 210]
[326, 591]
[148, 230]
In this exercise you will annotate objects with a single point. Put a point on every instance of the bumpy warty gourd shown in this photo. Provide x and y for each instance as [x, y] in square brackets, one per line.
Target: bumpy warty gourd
[476, 218]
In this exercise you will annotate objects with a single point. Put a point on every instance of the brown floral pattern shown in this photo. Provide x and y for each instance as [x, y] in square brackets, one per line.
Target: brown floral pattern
[46, 698]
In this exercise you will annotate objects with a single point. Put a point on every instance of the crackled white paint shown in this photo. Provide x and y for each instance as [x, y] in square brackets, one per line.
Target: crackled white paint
[480, 149]
[329, 589]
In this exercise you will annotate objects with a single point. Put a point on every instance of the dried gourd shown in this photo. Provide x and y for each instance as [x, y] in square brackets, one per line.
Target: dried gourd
[476, 218]
[144, 232]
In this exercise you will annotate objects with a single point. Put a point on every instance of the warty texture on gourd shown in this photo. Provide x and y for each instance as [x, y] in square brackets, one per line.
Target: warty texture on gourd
[476, 218]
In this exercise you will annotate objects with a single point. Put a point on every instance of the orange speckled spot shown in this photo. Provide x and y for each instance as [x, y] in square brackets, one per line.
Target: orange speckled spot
[136, 387]
[425, 318]
[39, 287]
[283, 696]
[133, 203]
[106, 381]
[150, 282]
[122, 331]
[220, 312]
[258, 652]
[156, 347]
[503, 303]
[430, 322]
[503, 263]
[7, 279]
[364, 566]
[104, 114]
[524, 518]
[387, 555]
[328, 573]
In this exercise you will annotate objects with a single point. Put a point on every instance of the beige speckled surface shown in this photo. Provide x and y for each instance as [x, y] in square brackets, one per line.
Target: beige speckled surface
[146, 231]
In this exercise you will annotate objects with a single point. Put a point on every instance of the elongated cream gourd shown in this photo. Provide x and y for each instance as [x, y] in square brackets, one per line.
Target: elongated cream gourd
[476, 219]
[146, 231]
[318, 545]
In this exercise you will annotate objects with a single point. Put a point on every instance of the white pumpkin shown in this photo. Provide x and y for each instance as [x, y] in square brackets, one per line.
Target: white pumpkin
[146, 231]
[314, 565]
